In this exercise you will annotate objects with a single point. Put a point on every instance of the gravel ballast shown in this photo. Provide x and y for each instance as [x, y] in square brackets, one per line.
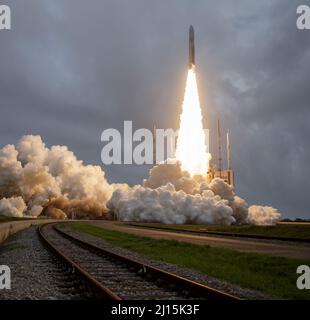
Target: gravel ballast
[35, 274]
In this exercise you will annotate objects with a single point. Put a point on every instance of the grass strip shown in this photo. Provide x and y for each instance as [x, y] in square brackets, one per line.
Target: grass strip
[275, 276]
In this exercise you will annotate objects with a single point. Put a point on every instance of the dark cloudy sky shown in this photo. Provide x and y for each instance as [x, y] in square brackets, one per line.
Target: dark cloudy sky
[71, 68]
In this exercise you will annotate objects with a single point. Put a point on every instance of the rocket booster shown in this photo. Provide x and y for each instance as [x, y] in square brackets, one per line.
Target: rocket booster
[191, 43]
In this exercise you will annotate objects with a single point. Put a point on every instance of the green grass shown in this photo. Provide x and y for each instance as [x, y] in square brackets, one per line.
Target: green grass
[275, 276]
[301, 231]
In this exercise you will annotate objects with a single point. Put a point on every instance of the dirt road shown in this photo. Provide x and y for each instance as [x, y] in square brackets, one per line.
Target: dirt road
[290, 250]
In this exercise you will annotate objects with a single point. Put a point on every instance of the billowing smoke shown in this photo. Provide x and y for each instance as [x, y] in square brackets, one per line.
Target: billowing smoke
[13, 207]
[263, 216]
[171, 172]
[166, 205]
[171, 195]
[36, 180]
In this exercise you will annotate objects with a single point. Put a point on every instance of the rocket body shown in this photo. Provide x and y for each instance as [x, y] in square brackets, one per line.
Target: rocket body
[191, 57]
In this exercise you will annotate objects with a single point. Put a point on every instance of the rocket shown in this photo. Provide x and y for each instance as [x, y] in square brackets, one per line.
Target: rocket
[191, 43]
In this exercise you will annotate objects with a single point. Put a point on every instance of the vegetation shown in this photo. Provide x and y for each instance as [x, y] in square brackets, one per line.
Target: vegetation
[275, 276]
[301, 231]
[9, 219]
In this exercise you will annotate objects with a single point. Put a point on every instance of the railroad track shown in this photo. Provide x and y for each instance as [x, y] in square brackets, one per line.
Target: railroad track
[108, 275]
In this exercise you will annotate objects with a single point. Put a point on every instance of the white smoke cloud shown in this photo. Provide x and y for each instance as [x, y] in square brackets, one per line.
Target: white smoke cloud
[170, 171]
[36, 180]
[221, 188]
[39, 176]
[263, 216]
[35, 211]
[166, 205]
[171, 195]
[12, 207]
[240, 209]
[10, 171]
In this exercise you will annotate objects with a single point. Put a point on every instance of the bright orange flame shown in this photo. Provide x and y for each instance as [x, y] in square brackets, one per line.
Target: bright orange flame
[191, 148]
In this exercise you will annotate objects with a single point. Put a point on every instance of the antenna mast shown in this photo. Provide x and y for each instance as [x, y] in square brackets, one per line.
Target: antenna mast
[154, 145]
[219, 148]
[228, 151]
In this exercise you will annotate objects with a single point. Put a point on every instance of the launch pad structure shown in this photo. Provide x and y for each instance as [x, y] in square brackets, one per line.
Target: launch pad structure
[217, 171]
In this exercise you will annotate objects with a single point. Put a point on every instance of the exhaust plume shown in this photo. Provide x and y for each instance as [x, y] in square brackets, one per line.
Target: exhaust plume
[191, 148]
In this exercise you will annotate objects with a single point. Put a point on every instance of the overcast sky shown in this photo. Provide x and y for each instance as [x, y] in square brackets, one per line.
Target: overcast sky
[70, 69]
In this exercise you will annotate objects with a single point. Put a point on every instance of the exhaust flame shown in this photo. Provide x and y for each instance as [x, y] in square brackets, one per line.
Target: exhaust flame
[191, 148]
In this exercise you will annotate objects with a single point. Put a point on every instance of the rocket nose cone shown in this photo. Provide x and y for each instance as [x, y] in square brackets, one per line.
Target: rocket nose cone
[191, 32]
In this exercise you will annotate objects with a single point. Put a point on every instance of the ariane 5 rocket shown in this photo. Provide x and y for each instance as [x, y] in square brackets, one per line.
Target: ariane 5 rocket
[191, 43]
